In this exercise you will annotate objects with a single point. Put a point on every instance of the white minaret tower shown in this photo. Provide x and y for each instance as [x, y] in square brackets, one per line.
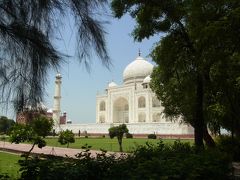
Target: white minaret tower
[57, 100]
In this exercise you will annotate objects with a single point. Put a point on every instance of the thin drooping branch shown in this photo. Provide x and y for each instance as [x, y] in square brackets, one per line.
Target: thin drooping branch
[27, 29]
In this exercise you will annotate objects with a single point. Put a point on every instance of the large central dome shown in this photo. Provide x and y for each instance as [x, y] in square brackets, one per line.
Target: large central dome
[137, 70]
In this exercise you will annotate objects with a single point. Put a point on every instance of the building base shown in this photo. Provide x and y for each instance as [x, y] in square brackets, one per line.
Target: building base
[162, 130]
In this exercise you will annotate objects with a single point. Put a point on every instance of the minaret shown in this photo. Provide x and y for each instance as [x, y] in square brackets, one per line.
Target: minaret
[57, 100]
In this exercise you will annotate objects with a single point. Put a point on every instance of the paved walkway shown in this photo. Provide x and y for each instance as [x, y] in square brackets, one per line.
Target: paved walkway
[57, 151]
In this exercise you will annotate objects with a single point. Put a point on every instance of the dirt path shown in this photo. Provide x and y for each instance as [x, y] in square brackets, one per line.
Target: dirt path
[58, 151]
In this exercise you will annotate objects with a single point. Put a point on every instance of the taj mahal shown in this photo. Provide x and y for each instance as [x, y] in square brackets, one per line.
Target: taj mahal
[132, 103]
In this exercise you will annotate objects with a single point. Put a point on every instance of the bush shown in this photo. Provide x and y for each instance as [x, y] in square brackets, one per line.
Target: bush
[66, 137]
[103, 136]
[152, 136]
[230, 146]
[129, 135]
[86, 136]
[178, 161]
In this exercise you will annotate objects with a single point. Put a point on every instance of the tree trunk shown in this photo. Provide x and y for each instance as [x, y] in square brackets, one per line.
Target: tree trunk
[199, 119]
[237, 131]
[28, 153]
[67, 144]
[208, 138]
[120, 144]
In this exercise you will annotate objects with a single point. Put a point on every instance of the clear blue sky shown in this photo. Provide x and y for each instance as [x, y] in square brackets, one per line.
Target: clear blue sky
[79, 88]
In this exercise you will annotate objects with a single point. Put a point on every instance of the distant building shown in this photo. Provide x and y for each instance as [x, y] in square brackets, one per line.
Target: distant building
[28, 114]
[134, 104]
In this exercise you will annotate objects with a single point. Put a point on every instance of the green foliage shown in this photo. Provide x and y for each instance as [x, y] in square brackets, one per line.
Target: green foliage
[152, 136]
[20, 133]
[5, 124]
[4, 177]
[33, 132]
[42, 125]
[66, 137]
[118, 131]
[229, 145]
[178, 161]
[197, 57]
[129, 135]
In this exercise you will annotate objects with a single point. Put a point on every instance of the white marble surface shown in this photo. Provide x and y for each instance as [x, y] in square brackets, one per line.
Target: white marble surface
[134, 128]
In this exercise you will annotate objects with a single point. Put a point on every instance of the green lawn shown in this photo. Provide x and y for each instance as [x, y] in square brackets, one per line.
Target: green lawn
[109, 144]
[9, 164]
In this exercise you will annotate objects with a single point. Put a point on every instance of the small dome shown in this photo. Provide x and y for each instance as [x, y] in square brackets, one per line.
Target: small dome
[49, 111]
[58, 75]
[112, 84]
[147, 80]
[139, 68]
[69, 121]
[39, 106]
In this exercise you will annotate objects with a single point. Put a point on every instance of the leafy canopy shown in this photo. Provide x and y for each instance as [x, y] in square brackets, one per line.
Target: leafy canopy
[66, 137]
[118, 131]
[197, 57]
[34, 132]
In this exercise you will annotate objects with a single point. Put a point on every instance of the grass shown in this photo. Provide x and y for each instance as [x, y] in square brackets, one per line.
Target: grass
[9, 164]
[98, 143]
[108, 144]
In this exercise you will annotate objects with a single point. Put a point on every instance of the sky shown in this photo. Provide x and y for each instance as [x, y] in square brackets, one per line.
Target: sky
[79, 87]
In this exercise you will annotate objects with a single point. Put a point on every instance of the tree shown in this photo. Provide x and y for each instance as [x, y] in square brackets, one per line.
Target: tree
[35, 132]
[66, 137]
[118, 131]
[200, 38]
[5, 124]
[27, 29]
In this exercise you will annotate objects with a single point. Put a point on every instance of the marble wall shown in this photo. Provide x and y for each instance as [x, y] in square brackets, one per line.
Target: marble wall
[134, 128]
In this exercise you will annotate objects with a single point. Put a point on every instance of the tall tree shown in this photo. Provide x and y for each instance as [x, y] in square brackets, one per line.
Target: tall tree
[27, 29]
[200, 36]
[5, 124]
[118, 131]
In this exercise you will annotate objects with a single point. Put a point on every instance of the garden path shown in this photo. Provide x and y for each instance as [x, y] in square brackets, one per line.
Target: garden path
[57, 151]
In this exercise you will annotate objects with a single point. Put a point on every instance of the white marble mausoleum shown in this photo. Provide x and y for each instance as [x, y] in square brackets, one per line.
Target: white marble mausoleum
[134, 104]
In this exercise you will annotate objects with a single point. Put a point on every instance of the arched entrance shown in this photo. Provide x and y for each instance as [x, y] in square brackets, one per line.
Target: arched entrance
[121, 111]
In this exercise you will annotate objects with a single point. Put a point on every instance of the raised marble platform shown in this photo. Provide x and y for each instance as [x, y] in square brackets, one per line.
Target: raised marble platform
[161, 129]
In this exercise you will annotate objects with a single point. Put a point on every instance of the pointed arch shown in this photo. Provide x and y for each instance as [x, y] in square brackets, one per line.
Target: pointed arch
[141, 102]
[121, 110]
[102, 106]
[141, 117]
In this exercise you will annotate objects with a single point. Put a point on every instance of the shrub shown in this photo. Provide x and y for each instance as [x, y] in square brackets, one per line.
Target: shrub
[103, 136]
[178, 161]
[86, 136]
[129, 135]
[66, 137]
[152, 136]
[230, 146]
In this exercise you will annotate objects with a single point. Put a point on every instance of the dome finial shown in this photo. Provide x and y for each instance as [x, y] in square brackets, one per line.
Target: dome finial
[139, 52]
